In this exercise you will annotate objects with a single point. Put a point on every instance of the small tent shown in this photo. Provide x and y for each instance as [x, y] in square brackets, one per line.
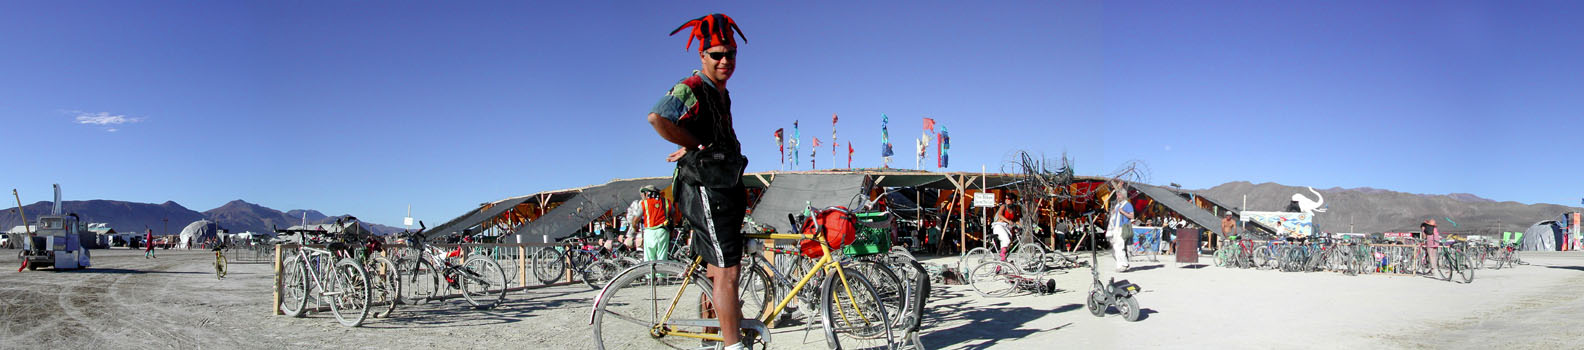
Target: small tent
[1542, 236]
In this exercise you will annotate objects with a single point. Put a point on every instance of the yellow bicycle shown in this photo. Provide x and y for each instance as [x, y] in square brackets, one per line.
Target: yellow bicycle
[663, 304]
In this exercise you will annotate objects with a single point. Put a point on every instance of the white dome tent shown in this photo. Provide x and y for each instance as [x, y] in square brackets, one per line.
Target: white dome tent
[200, 232]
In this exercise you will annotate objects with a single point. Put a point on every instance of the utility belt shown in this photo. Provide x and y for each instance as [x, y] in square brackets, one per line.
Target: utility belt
[712, 169]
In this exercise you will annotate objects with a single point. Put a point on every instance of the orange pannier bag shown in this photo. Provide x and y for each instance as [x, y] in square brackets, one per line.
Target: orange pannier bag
[837, 224]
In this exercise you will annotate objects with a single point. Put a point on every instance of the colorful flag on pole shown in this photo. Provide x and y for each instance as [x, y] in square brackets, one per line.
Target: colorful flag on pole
[833, 140]
[885, 139]
[780, 147]
[919, 161]
[797, 140]
[814, 152]
[945, 145]
[849, 154]
[929, 124]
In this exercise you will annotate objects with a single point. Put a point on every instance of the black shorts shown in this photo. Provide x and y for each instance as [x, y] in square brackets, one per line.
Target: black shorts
[716, 216]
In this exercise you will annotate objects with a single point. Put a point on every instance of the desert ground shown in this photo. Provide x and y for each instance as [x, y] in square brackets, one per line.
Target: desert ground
[175, 302]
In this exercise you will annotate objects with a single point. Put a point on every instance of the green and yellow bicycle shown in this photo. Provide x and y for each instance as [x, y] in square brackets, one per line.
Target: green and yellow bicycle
[665, 304]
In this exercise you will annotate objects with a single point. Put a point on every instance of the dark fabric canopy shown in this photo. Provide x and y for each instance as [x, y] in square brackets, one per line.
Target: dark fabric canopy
[474, 217]
[791, 193]
[586, 207]
[1181, 206]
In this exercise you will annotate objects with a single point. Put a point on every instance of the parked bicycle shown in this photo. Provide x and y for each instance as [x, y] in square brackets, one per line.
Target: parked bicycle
[427, 270]
[312, 273]
[664, 303]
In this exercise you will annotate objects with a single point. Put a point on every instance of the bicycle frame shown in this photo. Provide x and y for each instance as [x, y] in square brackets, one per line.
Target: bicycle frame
[312, 269]
[827, 261]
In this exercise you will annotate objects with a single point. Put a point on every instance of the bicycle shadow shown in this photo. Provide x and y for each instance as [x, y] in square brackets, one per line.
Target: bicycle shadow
[985, 325]
[1144, 268]
[1574, 268]
[457, 312]
[133, 272]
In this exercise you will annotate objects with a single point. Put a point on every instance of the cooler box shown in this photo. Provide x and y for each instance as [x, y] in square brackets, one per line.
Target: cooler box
[1187, 245]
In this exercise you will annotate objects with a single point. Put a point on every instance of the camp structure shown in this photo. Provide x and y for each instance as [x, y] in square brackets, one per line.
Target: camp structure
[934, 209]
[198, 233]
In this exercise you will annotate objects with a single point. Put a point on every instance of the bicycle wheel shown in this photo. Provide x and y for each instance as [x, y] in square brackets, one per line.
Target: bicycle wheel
[420, 280]
[1478, 257]
[917, 279]
[483, 282]
[1058, 259]
[1427, 263]
[893, 291]
[755, 290]
[548, 266]
[627, 312]
[973, 258]
[294, 285]
[349, 293]
[853, 313]
[220, 266]
[385, 282]
[1028, 257]
[597, 273]
[1443, 264]
[1500, 255]
[1466, 271]
[1262, 258]
[1223, 257]
[993, 279]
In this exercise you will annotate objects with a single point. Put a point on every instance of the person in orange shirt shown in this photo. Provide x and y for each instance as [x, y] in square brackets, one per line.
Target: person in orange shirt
[653, 219]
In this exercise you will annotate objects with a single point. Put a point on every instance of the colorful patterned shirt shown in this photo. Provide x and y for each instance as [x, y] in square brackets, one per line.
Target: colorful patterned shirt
[704, 111]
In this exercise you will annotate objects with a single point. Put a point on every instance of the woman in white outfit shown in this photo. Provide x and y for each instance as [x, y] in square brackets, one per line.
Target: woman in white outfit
[1121, 214]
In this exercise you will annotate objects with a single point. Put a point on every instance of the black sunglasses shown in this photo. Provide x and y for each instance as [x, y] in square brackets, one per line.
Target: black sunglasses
[723, 54]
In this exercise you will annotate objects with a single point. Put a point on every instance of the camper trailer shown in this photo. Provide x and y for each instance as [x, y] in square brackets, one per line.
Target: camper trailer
[56, 244]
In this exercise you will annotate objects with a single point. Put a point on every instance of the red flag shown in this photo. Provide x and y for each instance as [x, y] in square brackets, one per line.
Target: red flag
[833, 118]
[929, 124]
[780, 146]
[816, 142]
[849, 154]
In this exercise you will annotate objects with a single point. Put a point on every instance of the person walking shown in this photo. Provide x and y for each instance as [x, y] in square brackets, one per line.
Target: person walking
[1117, 225]
[148, 245]
[707, 188]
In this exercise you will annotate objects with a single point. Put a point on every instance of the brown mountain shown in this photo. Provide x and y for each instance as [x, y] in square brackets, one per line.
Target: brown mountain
[122, 216]
[236, 216]
[1376, 210]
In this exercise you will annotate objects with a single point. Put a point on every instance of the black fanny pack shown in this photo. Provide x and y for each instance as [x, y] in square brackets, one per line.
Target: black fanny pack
[711, 168]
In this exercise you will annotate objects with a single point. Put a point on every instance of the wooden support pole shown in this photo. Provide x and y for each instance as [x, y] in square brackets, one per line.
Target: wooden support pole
[275, 306]
[566, 259]
[522, 266]
[962, 205]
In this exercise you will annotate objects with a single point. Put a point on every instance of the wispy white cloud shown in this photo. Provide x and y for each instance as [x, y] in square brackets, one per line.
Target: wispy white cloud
[104, 118]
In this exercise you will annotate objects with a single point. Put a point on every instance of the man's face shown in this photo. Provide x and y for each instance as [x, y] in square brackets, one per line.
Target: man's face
[719, 62]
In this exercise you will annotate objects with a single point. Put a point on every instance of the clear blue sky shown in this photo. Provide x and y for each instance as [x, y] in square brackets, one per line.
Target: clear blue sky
[366, 107]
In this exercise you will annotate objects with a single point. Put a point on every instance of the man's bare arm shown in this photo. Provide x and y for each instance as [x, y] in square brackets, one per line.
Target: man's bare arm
[671, 132]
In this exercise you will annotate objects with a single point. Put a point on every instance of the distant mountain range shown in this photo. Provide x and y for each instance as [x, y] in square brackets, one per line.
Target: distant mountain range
[1377, 210]
[236, 216]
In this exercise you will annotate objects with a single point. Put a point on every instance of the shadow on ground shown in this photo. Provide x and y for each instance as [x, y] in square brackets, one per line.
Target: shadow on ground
[986, 325]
